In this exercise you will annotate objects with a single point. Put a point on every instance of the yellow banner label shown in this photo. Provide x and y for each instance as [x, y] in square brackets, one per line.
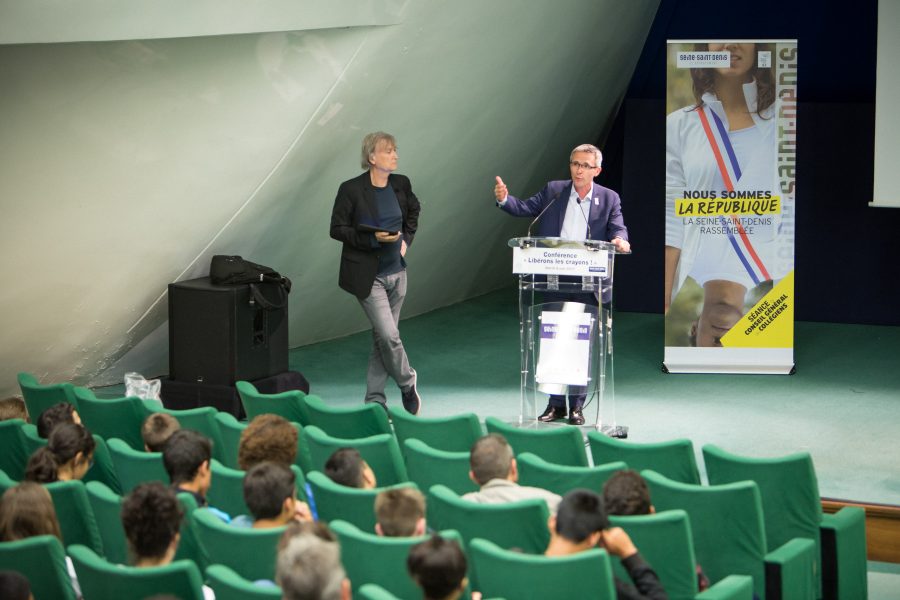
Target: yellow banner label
[770, 323]
[702, 207]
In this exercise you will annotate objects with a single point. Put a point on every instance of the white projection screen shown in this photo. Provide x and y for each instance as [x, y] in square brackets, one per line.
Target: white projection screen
[887, 118]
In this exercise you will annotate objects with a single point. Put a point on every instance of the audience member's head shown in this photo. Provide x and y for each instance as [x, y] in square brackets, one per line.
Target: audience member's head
[309, 565]
[26, 510]
[14, 585]
[347, 467]
[270, 494]
[68, 455]
[186, 457]
[268, 437]
[626, 493]
[492, 458]
[400, 512]
[62, 412]
[438, 566]
[157, 429]
[151, 518]
[579, 525]
[13, 408]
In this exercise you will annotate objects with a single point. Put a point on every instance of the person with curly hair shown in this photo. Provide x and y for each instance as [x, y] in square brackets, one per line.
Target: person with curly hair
[61, 412]
[68, 455]
[151, 518]
[268, 438]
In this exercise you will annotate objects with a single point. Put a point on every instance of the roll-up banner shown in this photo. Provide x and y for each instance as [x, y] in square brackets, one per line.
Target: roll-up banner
[731, 142]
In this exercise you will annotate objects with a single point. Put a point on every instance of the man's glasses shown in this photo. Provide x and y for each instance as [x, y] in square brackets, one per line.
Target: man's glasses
[579, 165]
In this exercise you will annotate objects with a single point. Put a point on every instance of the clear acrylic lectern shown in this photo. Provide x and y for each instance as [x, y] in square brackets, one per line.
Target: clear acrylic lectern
[566, 344]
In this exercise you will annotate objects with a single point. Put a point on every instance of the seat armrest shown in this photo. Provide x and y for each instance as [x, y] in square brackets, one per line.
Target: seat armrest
[790, 571]
[844, 553]
[733, 587]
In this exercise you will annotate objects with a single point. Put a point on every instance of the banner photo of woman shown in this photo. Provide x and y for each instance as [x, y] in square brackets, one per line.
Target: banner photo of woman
[730, 215]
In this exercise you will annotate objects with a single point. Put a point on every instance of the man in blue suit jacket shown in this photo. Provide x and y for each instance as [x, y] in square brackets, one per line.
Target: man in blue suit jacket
[574, 209]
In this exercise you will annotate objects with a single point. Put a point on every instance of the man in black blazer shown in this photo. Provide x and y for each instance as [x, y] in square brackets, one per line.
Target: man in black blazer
[376, 216]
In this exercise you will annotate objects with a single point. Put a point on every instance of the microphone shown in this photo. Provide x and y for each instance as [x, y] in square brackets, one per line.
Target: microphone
[541, 214]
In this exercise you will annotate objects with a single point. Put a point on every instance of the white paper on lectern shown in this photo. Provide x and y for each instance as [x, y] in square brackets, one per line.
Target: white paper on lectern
[565, 348]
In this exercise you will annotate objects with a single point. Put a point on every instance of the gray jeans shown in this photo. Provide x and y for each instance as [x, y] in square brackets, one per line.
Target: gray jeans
[388, 356]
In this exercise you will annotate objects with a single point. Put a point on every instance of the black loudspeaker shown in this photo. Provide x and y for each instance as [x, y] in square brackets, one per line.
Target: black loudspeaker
[218, 335]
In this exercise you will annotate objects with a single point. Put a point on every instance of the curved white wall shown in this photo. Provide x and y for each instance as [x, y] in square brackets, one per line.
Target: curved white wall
[125, 165]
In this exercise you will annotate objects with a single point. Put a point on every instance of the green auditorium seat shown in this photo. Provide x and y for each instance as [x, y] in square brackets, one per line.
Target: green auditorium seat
[249, 552]
[15, 454]
[42, 560]
[189, 546]
[790, 498]
[39, 397]
[107, 508]
[730, 538]
[336, 501]
[75, 515]
[357, 421]
[230, 429]
[521, 524]
[560, 479]
[228, 585]
[560, 445]
[665, 541]
[456, 433]
[202, 420]
[674, 458]
[227, 490]
[116, 418]
[101, 579]
[134, 466]
[289, 405]
[370, 558]
[380, 451]
[428, 466]
[501, 572]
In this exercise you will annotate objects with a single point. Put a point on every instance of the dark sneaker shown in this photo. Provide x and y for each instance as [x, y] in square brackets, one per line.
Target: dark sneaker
[412, 401]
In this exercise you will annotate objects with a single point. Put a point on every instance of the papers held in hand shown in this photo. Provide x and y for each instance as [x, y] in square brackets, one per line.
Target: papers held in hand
[374, 229]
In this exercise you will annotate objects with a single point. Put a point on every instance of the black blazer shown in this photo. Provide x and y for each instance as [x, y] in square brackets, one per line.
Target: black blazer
[355, 206]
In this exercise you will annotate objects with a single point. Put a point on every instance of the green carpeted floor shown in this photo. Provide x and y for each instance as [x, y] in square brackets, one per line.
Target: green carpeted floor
[842, 405]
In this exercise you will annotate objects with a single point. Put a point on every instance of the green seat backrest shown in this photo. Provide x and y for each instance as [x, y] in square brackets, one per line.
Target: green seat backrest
[116, 418]
[427, 467]
[103, 470]
[336, 501]
[39, 398]
[380, 451]
[560, 445]
[561, 479]
[134, 467]
[787, 485]
[521, 524]
[76, 518]
[6, 482]
[31, 441]
[202, 420]
[726, 522]
[107, 508]
[451, 434]
[370, 558]
[249, 552]
[230, 430]
[42, 560]
[228, 585]
[357, 421]
[664, 540]
[14, 456]
[190, 547]
[289, 405]
[675, 458]
[499, 572]
[99, 578]
[227, 490]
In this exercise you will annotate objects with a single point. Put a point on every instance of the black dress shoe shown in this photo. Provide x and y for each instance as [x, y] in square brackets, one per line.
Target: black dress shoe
[552, 413]
[576, 417]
